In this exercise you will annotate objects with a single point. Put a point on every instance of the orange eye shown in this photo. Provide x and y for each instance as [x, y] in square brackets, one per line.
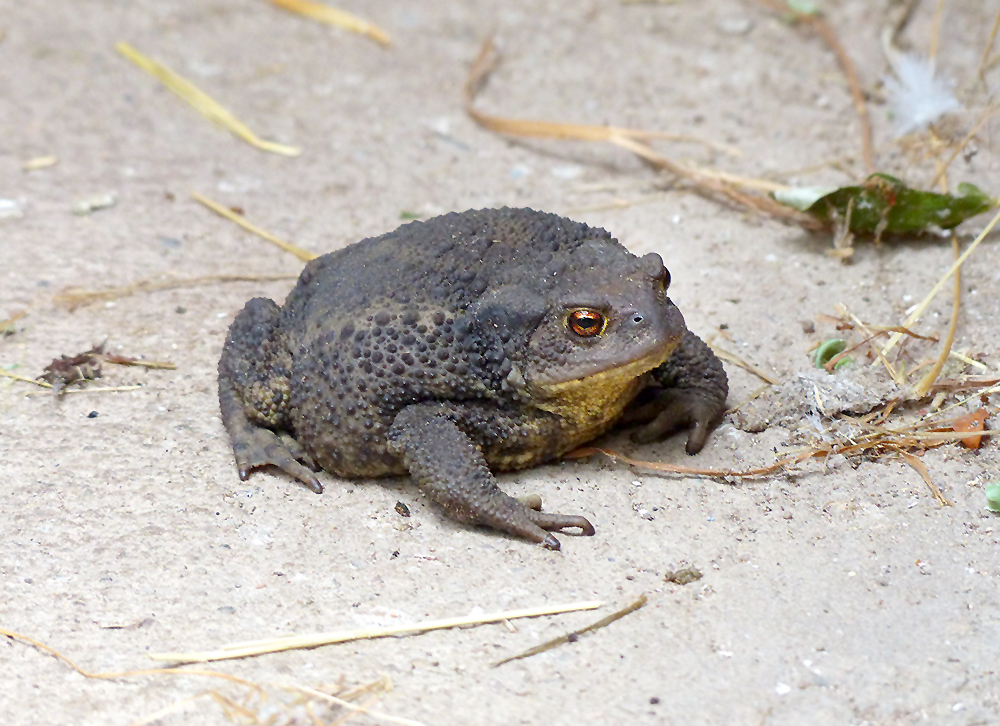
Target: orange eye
[586, 323]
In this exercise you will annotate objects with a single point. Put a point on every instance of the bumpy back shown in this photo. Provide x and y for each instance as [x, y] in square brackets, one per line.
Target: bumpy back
[446, 261]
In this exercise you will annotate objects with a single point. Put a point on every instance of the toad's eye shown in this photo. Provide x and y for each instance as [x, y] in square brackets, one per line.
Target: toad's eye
[586, 323]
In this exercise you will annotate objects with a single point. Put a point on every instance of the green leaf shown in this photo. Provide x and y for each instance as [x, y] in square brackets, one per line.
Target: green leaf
[884, 204]
[830, 349]
[993, 497]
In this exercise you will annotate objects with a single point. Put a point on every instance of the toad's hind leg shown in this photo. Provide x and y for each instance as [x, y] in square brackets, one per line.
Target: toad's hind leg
[254, 394]
[451, 468]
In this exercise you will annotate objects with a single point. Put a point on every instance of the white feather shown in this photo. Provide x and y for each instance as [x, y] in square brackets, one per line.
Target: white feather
[916, 98]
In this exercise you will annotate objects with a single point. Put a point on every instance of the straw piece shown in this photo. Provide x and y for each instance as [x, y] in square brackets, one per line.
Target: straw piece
[295, 642]
[222, 211]
[332, 16]
[915, 315]
[201, 101]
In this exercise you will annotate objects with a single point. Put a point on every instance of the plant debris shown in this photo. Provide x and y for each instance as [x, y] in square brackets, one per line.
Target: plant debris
[284, 703]
[74, 298]
[683, 576]
[333, 16]
[816, 393]
[573, 636]
[883, 204]
[94, 203]
[969, 422]
[297, 642]
[88, 366]
[712, 184]
[201, 101]
[233, 216]
[67, 370]
[40, 162]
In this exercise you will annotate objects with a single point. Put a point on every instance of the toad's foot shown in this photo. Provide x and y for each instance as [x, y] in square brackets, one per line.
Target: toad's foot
[451, 468]
[692, 393]
[255, 446]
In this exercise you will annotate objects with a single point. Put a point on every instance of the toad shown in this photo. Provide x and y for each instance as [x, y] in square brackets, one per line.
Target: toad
[474, 342]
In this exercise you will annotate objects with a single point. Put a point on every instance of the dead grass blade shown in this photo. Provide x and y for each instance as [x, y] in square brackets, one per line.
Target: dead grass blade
[74, 298]
[23, 379]
[201, 101]
[332, 16]
[927, 381]
[745, 365]
[711, 184]
[568, 637]
[296, 642]
[894, 373]
[93, 389]
[919, 310]
[124, 360]
[244, 709]
[112, 675]
[223, 211]
[921, 469]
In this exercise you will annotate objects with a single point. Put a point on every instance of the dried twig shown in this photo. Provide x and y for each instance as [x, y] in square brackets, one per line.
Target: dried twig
[779, 465]
[568, 637]
[254, 688]
[123, 360]
[711, 184]
[353, 707]
[92, 389]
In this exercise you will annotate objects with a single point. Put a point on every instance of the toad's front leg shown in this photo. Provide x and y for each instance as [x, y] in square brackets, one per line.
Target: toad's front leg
[691, 392]
[451, 468]
[254, 396]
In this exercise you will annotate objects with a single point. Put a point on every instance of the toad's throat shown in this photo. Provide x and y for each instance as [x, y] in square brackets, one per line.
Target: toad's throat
[591, 403]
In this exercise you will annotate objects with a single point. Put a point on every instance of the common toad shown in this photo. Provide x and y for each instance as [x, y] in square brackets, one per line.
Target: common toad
[473, 342]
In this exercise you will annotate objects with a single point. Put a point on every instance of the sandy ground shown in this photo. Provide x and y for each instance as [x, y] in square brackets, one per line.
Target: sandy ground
[838, 596]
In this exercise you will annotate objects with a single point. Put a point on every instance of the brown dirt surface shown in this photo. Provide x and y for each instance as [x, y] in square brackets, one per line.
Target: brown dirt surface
[842, 593]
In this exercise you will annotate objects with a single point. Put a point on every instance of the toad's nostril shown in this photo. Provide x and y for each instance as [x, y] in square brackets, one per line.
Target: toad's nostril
[636, 318]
